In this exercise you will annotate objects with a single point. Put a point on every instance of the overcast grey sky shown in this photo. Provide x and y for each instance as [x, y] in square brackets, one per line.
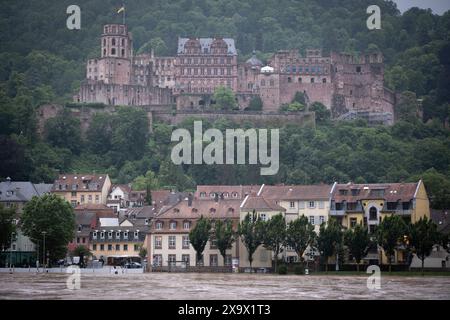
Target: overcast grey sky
[438, 6]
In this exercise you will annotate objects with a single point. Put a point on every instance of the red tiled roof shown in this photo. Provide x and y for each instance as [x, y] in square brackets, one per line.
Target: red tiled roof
[391, 192]
[79, 182]
[297, 192]
[259, 203]
[227, 208]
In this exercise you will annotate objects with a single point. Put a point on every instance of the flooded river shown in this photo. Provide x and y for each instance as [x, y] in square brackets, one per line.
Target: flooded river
[219, 286]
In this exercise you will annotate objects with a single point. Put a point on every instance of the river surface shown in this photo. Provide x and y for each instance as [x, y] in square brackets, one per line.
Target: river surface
[219, 286]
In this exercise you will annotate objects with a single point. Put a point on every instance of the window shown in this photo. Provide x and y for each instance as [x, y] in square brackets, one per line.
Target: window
[125, 247]
[125, 234]
[117, 234]
[321, 219]
[312, 80]
[355, 192]
[263, 216]
[78, 239]
[172, 260]
[136, 247]
[213, 260]
[94, 247]
[321, 204]
[110, 235]
[301, 205]
[73, 203]
[113, 41]
[97, 198]
[353, 222]
[289, 79]
[311, 220]
[117, 247]
[94, 235]
[158, 242]
[186, 225]
[358, 69]
[157, 260]
[312, 204]
[343, 192]
[90, 198]
[173, 225]
[113, 51]
[186, 259]
[102, 235]
[84, 240]
[324, 80]
[186, 242]
[82, 198]
[74, 194]
[102, 247]
[172, 242]
[373, 214]
[228, 260]
[292, 204]
[109, 247]
[159, 225]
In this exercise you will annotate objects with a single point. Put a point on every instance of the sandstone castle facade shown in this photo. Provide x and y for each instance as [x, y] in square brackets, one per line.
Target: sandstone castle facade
[349, 86]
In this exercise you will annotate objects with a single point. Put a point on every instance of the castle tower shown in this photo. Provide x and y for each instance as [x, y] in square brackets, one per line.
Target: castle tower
[116, 42]
[115, 63]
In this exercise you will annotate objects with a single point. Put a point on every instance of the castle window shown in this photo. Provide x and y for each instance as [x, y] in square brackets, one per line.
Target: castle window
[123, 42]
[104, 52]
[300, 80]
[358, 69]
[123, 52]
[312, 80]
[289, 80]
[113, 51]
[351, 92]
[324, 80]
[113, 41]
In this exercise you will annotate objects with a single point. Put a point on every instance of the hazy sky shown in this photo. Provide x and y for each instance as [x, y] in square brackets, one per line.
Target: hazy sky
[438, 6]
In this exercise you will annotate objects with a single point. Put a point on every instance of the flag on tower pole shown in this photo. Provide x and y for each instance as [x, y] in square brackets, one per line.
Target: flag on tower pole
[122, 9]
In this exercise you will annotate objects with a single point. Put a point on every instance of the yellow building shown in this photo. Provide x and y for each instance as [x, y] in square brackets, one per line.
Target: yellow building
[368, 204]
[82, 188]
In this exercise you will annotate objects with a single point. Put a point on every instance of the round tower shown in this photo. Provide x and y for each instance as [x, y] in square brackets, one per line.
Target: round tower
[116, 42]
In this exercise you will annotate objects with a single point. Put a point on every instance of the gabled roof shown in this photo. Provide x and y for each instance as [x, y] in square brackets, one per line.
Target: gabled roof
[124, 187]
[390, 192]
[205, 43]
[79, 182]
[21, 191]
[297, 192]
[259, 203]
[228, 208]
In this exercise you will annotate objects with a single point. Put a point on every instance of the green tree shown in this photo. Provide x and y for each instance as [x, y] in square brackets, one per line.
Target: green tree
[199, 236]
[390, 234]
[224, 236]
[52, 215]
[83, 252]
[255, 104]
[274, 235]
[300, 234]
[250, 230]
[422, 237]
[7, 226]
[358, 241]
[300, 98]
[322, 113]
[224, 98]
[99, 134]
[148, 181]
[64, 131]
[293, 107]
[329, 239]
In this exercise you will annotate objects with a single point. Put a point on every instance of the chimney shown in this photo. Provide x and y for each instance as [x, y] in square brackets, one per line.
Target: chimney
[190, 197]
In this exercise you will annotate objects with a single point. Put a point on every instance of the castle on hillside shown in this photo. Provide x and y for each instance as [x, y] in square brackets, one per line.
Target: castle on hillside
[349, 86]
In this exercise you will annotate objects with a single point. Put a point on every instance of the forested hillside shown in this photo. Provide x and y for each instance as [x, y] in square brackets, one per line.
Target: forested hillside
[42, 61]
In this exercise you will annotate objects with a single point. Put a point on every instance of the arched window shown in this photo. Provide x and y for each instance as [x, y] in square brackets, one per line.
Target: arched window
[373, 213]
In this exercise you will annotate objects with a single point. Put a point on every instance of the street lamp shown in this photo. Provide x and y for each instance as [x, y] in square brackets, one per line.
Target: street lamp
[10, 249]
[43, 251]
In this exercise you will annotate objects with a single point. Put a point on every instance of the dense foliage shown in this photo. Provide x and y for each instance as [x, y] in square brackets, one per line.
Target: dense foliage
[42, 61]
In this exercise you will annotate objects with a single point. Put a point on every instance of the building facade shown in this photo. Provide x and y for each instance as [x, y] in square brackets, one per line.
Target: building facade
[80, 189]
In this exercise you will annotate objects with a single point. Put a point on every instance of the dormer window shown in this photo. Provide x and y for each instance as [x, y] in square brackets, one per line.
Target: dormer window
[94, 235]
[173, 225]
[202, 194]
[234, 195]
[176, 210]
[117, 234]
[212, 195]
[136, 234]
[186, 225]
[146, 221]
[159, 225]
[102, 235]
[110, 235]
[125, 234]
[79, 228]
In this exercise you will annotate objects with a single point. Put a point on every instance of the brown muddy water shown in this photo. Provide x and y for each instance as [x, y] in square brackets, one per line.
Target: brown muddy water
[204, 286]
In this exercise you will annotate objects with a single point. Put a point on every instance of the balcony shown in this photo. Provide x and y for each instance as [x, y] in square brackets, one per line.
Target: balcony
[337, 213]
